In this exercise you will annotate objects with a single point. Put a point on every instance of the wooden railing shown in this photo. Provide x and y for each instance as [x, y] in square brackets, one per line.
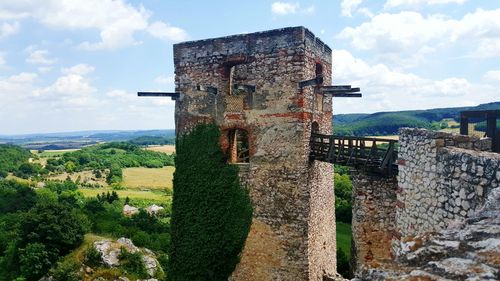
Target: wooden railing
[374, 155]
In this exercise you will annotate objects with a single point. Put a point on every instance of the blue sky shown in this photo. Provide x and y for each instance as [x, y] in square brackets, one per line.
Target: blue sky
[70, 65]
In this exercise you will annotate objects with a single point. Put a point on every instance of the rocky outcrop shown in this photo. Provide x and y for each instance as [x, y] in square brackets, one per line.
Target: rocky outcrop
[129, 211]
[110, 254]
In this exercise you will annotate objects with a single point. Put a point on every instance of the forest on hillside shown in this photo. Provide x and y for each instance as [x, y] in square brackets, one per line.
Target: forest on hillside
[388, 123]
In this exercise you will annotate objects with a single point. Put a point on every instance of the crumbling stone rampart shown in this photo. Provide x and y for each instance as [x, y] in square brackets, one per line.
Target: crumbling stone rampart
[446, 186]
[442, 178]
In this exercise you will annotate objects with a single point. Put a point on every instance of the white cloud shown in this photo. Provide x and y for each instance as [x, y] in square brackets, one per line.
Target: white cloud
[116, 20]
[163, 80]
[7, 29]
[38, 56]
[416, 3]
[387, 89]
[166, 32]
[287, 8]
[349, 6]
[79, 69]
[410, 31]
[44, 69]
[492, 75]
[284, 8]
[72, 89]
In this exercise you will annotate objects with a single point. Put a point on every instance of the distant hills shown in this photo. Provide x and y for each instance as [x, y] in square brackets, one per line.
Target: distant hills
[69, 140]
[388, 123]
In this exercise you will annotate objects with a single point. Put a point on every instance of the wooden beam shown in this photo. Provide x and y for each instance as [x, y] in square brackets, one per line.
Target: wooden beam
[330, 90]
[318, 80]
[464, 124]
[174, 96]
[338, 88]
[345, 95]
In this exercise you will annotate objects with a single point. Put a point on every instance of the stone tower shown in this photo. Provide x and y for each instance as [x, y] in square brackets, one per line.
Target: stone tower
[248, 85]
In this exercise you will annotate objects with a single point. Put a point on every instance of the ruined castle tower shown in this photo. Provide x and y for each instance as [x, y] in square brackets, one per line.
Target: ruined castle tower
[248, 85]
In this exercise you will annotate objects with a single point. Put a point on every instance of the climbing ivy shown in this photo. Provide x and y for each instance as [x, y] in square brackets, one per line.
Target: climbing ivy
[211, 212]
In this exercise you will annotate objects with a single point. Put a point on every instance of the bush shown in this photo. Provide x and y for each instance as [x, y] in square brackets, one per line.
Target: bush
[59, 227]
[211, 212]
[343, 266]
[132, 263]
[35, 260]
[92, 257]
[343, 194]
[67, 270]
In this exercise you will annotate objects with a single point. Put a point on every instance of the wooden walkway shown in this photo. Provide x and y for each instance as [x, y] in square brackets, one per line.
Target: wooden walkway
[372, 155]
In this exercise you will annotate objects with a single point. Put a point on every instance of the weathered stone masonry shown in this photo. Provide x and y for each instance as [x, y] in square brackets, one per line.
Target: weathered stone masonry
[373, 221]
[292, 236]
[444, 180]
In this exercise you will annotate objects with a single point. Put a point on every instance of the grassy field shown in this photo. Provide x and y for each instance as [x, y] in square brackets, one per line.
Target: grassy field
[146, 178]
[344, 237]
[168, 149]
[131, 193]
[52, 153]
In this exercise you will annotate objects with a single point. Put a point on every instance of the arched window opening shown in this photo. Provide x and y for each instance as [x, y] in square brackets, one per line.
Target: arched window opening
[315, 127]
[319, 70]
[239, 149]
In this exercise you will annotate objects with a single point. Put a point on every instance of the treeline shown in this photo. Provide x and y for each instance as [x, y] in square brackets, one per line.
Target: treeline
[388, 123]
[11, 157]
[153, 140]
[33, 242]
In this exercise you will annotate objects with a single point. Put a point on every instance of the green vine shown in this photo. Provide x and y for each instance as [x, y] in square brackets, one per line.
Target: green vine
[211, 212]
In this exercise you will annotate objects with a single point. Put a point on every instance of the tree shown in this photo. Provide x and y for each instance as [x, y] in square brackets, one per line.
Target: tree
[211, 212]
[35, 260]
[57, 226]
[15, 196]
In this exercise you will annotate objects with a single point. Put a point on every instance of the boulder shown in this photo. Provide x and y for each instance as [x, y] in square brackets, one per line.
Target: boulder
[130, 210]
[110, 252]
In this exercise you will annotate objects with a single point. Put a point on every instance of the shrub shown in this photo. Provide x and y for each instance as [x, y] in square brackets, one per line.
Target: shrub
[132, 263]
[343, 266]
[92, 257]
[35, 260]
[67, 270]
[211, 212]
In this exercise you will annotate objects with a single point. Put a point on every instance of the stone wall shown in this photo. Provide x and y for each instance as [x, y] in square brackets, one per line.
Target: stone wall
[373, 221]
[292, 236]
[443, 178]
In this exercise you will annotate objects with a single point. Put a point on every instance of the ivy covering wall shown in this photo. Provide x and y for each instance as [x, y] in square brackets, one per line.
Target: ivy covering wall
[211, 212]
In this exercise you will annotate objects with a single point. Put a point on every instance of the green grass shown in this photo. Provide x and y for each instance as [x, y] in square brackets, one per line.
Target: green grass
[52, 153]
[344, 234]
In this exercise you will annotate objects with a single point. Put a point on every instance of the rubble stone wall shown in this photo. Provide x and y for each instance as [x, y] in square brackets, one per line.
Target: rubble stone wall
[443, 178]
[292, 236]
[373, 220]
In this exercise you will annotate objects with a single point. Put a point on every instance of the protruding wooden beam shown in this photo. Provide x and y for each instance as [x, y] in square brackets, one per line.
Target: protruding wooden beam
[173, 96]
[318, 80]
[333, 90]
[346, 95]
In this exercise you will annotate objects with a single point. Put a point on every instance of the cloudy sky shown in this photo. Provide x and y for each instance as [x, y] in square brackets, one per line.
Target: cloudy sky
[68, 65]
